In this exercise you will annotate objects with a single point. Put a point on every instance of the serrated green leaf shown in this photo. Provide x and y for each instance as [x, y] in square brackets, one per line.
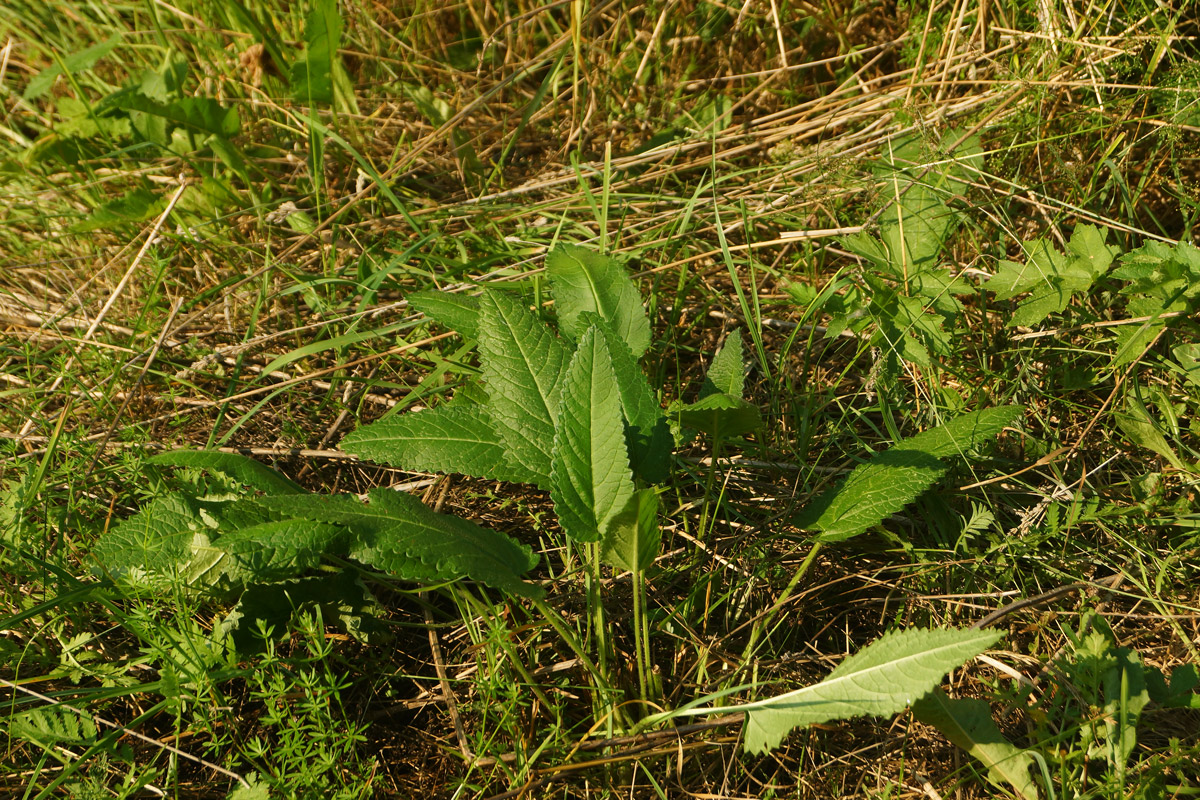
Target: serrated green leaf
[277, 550]
[872, 493]
[397, 533]
[458, 312]
[647, 434]
[720, 416]
[894, 478]
[242, 468]
[1050, 277]
[582, 280]
[882, 679]
[452, 439]
[633, 538]
[968, 724]
[591, 479]
[523, 367]
[727, 372]
[964, 432]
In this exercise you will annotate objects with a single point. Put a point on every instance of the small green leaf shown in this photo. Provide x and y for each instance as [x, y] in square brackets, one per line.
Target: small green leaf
[132, 207]
[727, 372]
[720, 416]
[633, 538]
[894, 478]
[197, 114]
[968, 724]
[73, 63]
[591, 480]
[452, 439]
[1188, 358]
[458, 312]
[523, 367]
[585, 281]
[243, 468]
[1137, 424]
[1052, 278]
[399, 534]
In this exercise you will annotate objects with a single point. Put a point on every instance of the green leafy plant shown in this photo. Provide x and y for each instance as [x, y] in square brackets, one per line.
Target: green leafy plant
[905, 293]
[569, 411]
[1051, 278]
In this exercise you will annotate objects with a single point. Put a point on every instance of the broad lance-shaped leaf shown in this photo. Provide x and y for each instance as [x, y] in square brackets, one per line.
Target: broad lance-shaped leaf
[591, 481]
[633, 538]
[397, 533]
[585, 281]
[648, 435]
[459, 312]
[727, 372]
[247, 470]
[968, 724]
[452, 439]
[523, 366]
[894, 478]
[882, 679]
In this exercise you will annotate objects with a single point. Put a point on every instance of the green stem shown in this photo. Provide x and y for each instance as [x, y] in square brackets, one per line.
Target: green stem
[773, 612]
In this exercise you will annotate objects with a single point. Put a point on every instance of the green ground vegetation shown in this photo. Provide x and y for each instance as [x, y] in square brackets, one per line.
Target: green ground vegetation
[673, 399]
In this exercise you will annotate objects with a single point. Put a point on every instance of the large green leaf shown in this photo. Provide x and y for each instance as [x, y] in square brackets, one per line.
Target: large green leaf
[243, 468]
[591, 480]
[585, 281]
[647, 434]
[523, 367]
[880, 680]
[341, 598]
[894, 478]
[397, 533]
[968, 724]
[873, 492]
[453, 439]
